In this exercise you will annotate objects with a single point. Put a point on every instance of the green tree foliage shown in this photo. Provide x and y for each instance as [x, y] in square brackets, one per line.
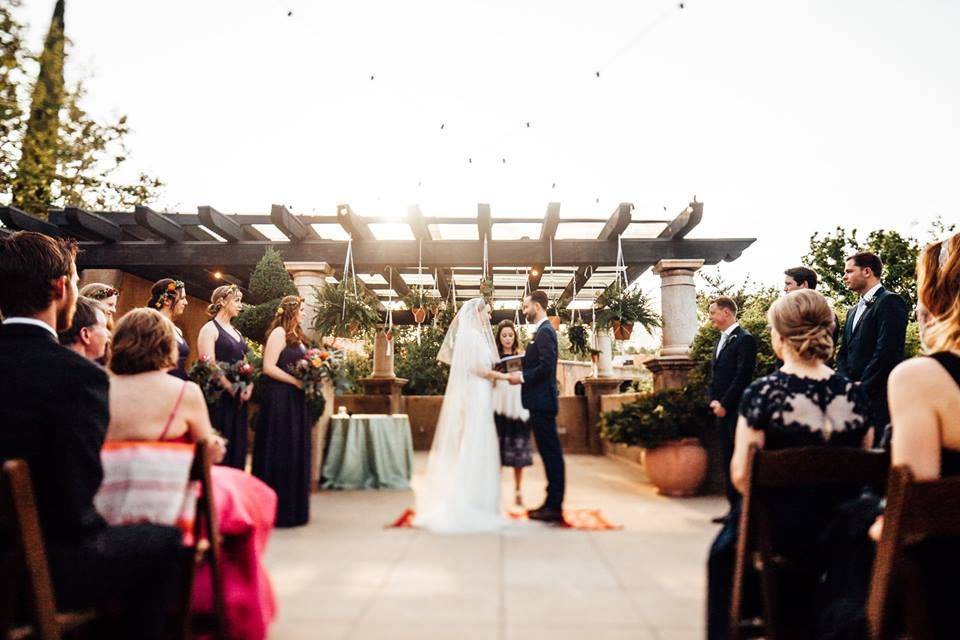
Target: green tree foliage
[829, 251]
[269, 282]
[12, 75]
[52, 151]
[418, 362]
[37, 167]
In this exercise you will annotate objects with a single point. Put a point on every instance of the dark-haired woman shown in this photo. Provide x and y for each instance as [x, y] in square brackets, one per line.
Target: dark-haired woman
[281, 450]
[513, 428]
[219, 341]
[169, 297]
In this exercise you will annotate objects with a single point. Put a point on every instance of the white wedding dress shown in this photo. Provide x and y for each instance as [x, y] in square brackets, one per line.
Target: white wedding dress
[461, 490]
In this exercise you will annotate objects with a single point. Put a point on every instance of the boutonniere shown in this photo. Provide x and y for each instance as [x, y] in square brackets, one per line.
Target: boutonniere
[868, 302]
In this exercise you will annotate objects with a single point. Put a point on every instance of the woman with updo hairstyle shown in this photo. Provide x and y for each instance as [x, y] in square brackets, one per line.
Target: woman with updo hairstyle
[220, 342]
[169, 297]
[106, 295]
[281, 450]
[803, 404]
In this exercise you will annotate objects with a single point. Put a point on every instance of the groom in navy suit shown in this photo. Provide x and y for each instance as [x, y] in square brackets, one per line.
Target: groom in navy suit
[539, 395]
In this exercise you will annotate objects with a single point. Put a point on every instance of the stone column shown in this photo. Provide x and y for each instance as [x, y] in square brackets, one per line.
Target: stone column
[605, 346]
[306, 276]
[382, 356]
[595, 389]
[383, 381]
[678, 297]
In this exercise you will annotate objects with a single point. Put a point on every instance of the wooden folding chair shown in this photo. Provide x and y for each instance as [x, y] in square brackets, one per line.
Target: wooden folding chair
[25, 585]
[769, 473]
[206, 549]
[904, 588]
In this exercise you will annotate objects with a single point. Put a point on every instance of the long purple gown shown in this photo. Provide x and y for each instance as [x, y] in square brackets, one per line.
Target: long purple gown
[229, 415]
[281, 447]
[183, 352]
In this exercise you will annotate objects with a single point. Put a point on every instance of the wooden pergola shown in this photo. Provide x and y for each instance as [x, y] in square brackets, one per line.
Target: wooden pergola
[207, 248]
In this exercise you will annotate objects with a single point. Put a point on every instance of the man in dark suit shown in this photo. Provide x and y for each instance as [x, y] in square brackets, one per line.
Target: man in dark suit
[806, 278]
[734, 359]
[54, 412]
[873, 335]
[538, 391]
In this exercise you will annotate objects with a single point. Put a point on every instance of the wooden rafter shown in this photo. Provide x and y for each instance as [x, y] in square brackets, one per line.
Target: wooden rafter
[616, 224]
[159, 225]
[220, 224]
[287, 223]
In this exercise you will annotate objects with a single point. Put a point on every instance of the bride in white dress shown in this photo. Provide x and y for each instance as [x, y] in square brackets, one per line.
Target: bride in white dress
[461, 490]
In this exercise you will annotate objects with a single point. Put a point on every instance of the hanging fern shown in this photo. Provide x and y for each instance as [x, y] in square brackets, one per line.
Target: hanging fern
[341, 313]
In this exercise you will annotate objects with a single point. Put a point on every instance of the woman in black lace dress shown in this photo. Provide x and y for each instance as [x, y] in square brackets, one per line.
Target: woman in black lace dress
[803, 404]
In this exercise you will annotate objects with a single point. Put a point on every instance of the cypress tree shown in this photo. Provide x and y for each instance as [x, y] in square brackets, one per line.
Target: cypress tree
[37, 168]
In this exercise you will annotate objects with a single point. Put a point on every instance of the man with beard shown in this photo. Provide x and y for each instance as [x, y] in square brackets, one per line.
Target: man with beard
[54, 412]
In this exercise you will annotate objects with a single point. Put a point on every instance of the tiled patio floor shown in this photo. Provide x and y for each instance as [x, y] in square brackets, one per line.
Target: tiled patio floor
[345, 576]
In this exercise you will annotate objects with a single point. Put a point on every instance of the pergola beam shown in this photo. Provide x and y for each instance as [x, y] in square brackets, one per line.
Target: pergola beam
[91, 225]
[220, 224]
[417, 223]
[353, 224]
[158, 225]
[17, 220]
[374, 255]
[287, 223]
[616, 224]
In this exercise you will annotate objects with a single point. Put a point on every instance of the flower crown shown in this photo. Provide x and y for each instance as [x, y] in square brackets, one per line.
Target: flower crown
[295, 302]
[169, 292]
[103, 294]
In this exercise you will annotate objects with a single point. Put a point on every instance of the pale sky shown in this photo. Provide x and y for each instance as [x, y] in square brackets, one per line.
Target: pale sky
[784, 118]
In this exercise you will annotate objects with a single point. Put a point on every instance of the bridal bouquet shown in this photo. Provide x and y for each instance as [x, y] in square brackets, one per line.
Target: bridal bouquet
[206, 373]
[312, 369]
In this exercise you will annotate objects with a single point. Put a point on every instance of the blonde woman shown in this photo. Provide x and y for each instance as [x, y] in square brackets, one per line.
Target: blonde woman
[219, 341]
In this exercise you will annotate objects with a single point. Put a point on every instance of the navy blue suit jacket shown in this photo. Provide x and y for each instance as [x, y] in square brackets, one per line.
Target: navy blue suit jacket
[870, 351]
[732, 370]
[539, 389]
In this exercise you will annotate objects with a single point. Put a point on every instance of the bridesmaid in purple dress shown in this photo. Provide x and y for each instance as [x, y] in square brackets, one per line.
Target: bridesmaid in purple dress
[281, 450]
[220, 342]
[169, 297]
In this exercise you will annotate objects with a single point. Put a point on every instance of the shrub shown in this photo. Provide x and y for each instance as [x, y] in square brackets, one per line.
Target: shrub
[656, 419]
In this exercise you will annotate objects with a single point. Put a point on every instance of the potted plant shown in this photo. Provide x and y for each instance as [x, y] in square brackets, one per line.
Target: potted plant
[579, 339]
[486, 289]
[418, 300]
[341, 313]
[623, 308]
[667, 424]
[556, 315]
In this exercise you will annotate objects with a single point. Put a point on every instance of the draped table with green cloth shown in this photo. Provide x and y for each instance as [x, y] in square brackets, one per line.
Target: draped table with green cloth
[368, 451]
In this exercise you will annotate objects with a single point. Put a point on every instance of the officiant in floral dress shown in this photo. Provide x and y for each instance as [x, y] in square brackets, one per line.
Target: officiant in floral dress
[513, 430]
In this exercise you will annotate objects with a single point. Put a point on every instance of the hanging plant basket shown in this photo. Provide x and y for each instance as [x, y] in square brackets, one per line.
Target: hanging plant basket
[621, 330]
[555, 321]
[341, 313]
[419, 314]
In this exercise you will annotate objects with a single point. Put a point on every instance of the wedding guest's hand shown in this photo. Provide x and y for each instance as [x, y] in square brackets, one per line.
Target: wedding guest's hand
[246, 393]
[515, 378]
[219, 449]
[876, 529]
[227, 386]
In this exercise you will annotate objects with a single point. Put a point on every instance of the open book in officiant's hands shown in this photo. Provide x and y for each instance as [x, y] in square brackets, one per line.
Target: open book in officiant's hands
[510, 364]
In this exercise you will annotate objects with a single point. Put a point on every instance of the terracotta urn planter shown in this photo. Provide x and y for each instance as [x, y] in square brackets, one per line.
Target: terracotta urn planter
[419, 314]
[677, 468]
[622, 330]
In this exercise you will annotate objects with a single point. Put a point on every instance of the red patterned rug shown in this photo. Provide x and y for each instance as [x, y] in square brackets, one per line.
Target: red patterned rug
[579, 519]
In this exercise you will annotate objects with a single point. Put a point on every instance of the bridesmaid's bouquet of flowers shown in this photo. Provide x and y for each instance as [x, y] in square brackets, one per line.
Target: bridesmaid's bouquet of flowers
[312, 369]
[241, 375]
[207, 373]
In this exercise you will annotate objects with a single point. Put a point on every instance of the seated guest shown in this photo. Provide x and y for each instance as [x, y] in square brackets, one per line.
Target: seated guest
[806, 278]
[803, 404]
[169, 297]
[926, 435]
[148, 404]
[145, 403]
[88, 334]
[54, 414]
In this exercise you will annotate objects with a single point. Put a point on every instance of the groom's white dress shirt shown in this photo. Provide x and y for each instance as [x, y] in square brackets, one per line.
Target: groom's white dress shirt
[862, 305]
[725, 335]
[31, 321]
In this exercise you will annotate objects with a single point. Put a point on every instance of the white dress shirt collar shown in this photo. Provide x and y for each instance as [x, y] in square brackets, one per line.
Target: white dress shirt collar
[869, 295]
[537, 326]
[730, 329]
[31, 321]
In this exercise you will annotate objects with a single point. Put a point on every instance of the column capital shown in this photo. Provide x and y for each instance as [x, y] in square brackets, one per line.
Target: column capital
[309, 268]
[665, 266]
